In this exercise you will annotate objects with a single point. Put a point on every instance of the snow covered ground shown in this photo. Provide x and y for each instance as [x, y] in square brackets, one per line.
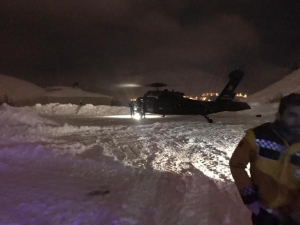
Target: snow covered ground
[65, 164]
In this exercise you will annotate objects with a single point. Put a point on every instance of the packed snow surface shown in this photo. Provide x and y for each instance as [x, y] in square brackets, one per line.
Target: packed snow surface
[69, 164]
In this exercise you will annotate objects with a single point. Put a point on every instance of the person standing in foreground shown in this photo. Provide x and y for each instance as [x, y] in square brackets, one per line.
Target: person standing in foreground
[272, 192]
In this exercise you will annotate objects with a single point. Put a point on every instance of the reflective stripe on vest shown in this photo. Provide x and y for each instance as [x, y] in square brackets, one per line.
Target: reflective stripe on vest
[269, 149]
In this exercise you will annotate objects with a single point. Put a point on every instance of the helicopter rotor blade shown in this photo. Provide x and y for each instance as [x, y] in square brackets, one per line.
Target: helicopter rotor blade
[156, 85]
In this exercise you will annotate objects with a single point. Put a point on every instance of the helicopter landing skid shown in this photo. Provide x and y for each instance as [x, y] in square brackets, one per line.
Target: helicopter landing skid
[208, 119]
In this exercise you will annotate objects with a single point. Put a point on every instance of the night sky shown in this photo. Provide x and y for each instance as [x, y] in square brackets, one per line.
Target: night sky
[191, 45]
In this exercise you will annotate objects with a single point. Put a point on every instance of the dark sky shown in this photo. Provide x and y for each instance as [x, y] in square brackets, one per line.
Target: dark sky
[191, 45]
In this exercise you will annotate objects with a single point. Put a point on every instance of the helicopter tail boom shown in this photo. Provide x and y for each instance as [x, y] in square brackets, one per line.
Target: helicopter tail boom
[228, 94]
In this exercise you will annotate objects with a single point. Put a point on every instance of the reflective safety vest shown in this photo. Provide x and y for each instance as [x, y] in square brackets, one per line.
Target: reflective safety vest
[274, 168]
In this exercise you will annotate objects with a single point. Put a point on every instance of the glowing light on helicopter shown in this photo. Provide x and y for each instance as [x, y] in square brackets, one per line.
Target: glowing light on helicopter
[128, 85]
[137, 116]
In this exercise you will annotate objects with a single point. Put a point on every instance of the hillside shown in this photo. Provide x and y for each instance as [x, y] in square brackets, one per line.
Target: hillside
[14, 89]
[17, 92]
[290, 83]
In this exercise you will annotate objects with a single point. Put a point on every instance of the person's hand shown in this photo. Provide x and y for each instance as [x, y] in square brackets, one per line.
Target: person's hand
[254, 207]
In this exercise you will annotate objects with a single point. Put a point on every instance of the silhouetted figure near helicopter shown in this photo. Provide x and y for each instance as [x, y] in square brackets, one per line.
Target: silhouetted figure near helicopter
[144, 108]
[141, 106]
[131, 106]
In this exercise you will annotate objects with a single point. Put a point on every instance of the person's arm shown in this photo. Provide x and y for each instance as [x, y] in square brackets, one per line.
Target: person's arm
[291, 211]
[244, 153]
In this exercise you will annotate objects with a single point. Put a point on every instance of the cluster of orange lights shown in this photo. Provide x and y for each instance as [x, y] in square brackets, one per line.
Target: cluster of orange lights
[208, 96]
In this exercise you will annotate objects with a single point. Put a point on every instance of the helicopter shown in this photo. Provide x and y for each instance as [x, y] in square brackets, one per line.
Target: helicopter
[165, 102]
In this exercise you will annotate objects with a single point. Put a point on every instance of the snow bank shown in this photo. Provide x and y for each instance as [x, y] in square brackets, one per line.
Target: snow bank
[17, 116]
[86, 110]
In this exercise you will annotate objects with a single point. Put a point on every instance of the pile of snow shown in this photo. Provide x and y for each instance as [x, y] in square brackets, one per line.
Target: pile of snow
[289, 84]
[16, 116]
[86, 110]
[16, 89]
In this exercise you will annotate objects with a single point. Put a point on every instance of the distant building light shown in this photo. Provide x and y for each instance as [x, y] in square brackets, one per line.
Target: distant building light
[207, 96]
